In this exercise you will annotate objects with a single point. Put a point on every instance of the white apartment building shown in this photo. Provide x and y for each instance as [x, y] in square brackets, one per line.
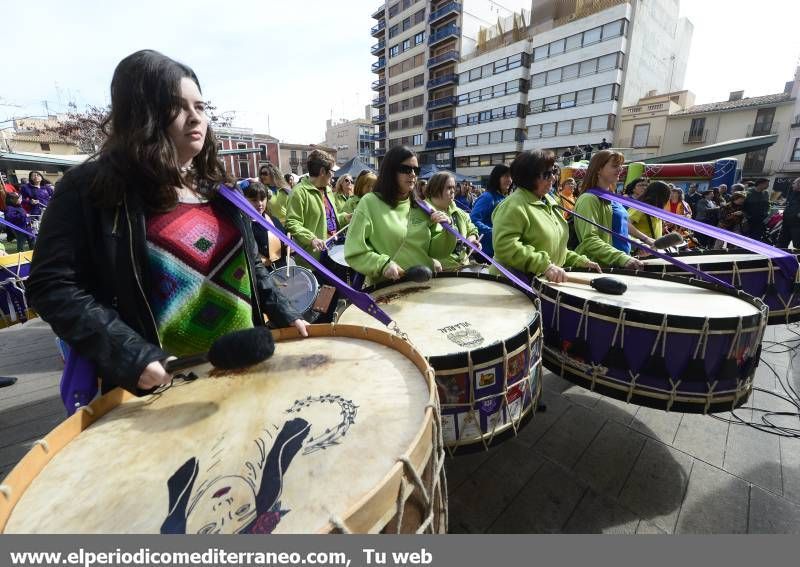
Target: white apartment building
[350, 138]
[587, 65]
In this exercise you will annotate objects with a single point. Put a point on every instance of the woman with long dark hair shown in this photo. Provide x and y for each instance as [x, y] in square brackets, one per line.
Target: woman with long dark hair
[138, 257]
[382, 241]
[603, 173]
[497, 189]
[656, 194]
[36, 194]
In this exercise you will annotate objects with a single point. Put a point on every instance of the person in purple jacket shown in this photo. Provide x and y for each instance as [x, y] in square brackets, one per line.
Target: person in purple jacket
[17, 216]
[36, 194]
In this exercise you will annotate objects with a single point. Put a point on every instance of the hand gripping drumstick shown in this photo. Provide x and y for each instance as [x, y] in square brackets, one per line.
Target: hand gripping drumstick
[604, 284]
[336, 234]
[239, 349]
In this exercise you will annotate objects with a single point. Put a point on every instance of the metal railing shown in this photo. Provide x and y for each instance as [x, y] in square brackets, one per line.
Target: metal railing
[441, 101]
[378, 136]
[443, 33]
[441, 123]
[380, 118]
[379, 101]
[762, 129]
[378, 47]
[379, 27]
[690, 137]
[443, 80]
[451, 55]
[377, 85]
[378, 65]
[447, 9]
[377, 14]
[444, 143]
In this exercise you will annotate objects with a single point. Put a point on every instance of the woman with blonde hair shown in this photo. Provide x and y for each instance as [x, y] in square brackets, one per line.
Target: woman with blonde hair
[343, 191]
[364, 184]
[603, 172]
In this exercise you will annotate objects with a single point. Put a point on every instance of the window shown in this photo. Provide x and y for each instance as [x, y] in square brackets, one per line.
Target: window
[588, 67]
[548, 130]
[509, 135]
[551, 103]
[394, 51]
[537, 105]
[241, 146]
[417, 140]
[600, 123]
[696, 129]
[557, 47]
[603, 93]
[614, 29]
[796, 150]
[472, 140]
[640, 134]
[244, 169]
[45, 146]
[419, 38]
[573, 42]
[539, 80]
[483, 138]
[568, 100]
[584, 97]
[475, 74]
[607, 62]
[406, 44]
[565, 128]
[495, 137]
[554, 76]
[592, 36]
[540, 53]
[263, 152]
[580, 125]
[570, 72]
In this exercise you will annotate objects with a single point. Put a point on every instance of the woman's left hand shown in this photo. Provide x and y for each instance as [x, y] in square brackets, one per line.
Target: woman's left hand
[594, 266]
[437, 265]
[440, 217]
[302, 326]
[474, 240]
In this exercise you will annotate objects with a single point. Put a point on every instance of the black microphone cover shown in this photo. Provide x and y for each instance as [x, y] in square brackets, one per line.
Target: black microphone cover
[610, 286]
[241, 349]
[419, 274]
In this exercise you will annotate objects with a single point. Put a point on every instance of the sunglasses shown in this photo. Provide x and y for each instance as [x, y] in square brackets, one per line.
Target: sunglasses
[348, 181]
[548, 173]
[408, 169]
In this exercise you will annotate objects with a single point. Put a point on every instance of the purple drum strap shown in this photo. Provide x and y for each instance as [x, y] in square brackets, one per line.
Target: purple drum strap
[667, 257]
[358, 298]
[786, 261]
[78, 384]
[505, 271]
[16, 228]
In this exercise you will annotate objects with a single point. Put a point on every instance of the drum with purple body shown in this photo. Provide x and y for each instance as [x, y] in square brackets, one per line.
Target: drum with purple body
[14, 269]
[668, 342]
[752, 273]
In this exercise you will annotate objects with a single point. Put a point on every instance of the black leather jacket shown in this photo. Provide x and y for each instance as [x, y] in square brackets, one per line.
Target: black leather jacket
[89, 278]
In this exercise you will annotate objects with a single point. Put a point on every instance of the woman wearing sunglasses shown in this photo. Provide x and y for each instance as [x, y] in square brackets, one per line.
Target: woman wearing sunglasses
[529, 233]
[343, 191]
[384, 239]
[603, 173]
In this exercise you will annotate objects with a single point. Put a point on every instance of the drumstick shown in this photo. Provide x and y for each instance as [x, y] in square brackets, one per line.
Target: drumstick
[239, 349]
[603, 284]
[335, 234]
[472, 250]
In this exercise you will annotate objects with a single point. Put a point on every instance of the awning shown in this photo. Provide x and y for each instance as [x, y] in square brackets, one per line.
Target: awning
[718, 151]
[28, 160]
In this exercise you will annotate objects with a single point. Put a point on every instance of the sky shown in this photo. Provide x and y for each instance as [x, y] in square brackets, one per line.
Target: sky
[285, 67]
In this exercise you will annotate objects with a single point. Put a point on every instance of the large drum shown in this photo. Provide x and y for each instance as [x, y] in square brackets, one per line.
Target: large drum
[483, 338]
[752, 273]
[14, 269]
[667, 342]
[339, 432]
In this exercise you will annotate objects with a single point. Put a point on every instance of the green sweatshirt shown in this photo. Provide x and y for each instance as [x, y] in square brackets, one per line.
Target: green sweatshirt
[595, 243]
[443, 243]
[279, 204]
[341, 201]
[350, 206]
[530, 234]
[305, 216]
[379, 234]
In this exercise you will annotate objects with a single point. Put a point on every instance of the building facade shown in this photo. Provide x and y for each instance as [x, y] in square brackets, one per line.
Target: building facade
[294, 156]
[789, 168]
[246, 163]
[420, 43]
[641, 127]
[350, 138]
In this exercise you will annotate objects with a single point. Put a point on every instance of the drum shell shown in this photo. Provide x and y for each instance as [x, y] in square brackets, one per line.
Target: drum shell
[694, 365]
[486, 392]
[758, 277]
[377, 510]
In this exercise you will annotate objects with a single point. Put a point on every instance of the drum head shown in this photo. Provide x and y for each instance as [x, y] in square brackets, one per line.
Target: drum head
[703, 259]
[273, 448]
[449, 315]
[336, 253]
[298, 284]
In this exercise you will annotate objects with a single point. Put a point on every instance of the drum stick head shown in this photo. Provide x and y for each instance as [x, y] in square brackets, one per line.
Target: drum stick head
[241, 349]
[419, 274]
[608, 285]
[668, 241]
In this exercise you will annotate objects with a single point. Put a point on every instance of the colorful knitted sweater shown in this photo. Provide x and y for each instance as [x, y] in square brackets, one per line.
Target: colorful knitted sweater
[200, 285]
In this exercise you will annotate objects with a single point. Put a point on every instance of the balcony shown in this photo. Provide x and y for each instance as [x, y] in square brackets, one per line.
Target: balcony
[446, 10]
[441, 123]
[448, 31]
[441, 102]
[378, 47]
[649, 142]
[756, 167]
[446, 57]
[379, 152]
[379, 101]
[763, 129]
[690, 137]
[378, 85]
[378, 136]
[443, 80]
[438, 144]
[378, 28]
[378, 13]
[379, 119]
[379, 65]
